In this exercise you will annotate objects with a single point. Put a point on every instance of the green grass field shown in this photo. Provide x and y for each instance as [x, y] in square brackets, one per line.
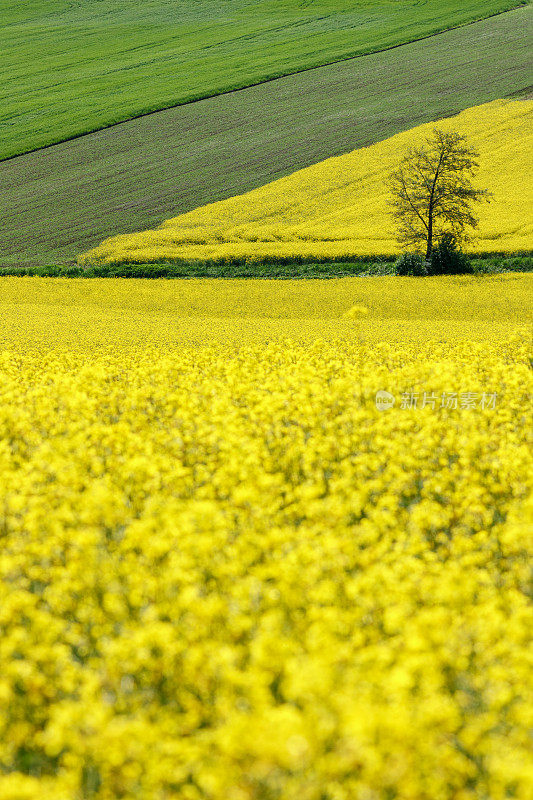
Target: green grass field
[68, 68]
[281, 268]
[58, 202]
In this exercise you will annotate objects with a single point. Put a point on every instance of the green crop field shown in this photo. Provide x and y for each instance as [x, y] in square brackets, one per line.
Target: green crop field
[58, 202]
[68, 68]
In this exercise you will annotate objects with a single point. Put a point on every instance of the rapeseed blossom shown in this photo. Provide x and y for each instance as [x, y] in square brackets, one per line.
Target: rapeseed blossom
[225, 573]
[356, 311]
[338, 207]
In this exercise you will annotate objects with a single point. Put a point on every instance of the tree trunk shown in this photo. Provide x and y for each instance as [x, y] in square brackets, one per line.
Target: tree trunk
[430, 236]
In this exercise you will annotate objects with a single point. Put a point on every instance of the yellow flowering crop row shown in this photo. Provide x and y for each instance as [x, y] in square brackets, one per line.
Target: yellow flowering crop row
[226, 575]
[338, 208]
[86, 313]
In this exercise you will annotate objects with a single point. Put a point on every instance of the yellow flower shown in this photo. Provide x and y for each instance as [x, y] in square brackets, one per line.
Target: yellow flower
[356, 311]
[226, 573]
[339, 209]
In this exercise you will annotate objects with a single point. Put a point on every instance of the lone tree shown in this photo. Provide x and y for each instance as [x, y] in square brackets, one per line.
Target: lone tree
[432, 192]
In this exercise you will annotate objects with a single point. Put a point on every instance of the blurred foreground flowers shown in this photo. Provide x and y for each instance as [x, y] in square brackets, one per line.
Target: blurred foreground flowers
[226, 574]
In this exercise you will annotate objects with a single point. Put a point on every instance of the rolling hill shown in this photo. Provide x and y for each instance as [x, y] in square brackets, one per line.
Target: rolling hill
[68, 68]
[338, 208]
[60, 201]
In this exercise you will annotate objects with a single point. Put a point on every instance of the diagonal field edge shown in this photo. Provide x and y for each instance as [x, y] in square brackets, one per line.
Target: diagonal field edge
[58, 202]
[268, 79]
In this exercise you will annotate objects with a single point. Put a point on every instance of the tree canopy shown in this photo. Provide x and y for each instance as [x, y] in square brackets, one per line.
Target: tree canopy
[432, 192]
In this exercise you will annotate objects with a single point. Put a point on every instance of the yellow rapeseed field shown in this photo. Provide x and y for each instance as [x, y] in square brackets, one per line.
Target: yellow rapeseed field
[338, 208]
[226, 574]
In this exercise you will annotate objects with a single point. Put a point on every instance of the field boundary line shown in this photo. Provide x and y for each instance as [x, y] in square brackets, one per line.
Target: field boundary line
[271, 79]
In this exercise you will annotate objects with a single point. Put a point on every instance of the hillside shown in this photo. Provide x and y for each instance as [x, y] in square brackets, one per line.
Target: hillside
[338, 208]
[103, 61]
[62, 200]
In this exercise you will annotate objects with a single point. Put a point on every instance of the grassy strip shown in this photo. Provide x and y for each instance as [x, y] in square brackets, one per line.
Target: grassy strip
[488, 265]
[106, 62]
[62, 201]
